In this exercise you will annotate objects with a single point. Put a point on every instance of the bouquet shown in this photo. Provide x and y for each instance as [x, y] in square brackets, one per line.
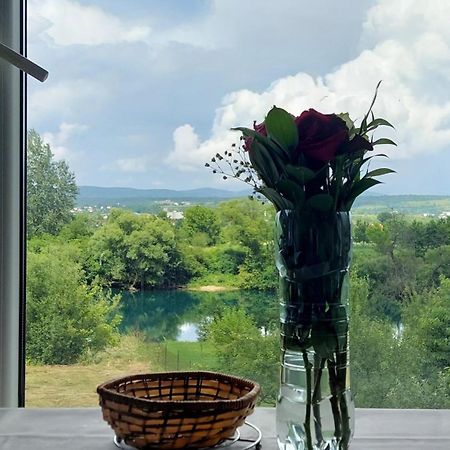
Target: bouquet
[311, 167]
[312, 162]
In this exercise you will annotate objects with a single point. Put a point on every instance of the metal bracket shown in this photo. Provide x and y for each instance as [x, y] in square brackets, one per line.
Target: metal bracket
[22, 63]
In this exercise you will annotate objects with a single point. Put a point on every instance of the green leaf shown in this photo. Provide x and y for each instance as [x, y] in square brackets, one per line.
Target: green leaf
[273, 196]
[264, 164]
[358, 188]
[384, 141]
[301, 174]
[348, 121]
[257, 161]
[357, 165]
[281, 127]
[273, 163]
[378, 122]
[378, 172]
[320, 202]
[273, 146]
[248, 132]
[363, 127]
[292, 192]
[374, 156]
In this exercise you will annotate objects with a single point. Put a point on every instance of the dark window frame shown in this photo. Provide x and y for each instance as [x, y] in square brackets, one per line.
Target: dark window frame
[12, 208]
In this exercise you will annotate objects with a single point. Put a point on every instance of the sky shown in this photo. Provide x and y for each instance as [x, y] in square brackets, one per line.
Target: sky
[142, 93]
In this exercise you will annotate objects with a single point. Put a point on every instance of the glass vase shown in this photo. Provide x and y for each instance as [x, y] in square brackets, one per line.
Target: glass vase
[315, 408]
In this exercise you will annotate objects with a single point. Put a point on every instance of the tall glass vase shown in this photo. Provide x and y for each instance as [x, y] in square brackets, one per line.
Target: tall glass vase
[315, 409]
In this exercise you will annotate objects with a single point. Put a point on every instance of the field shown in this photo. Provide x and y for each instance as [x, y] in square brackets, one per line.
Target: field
[75, 385]
[405, 204]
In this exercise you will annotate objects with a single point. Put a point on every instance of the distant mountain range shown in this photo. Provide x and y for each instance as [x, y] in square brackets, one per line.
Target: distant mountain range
[145, 199]
[139, 198]
[86, 192]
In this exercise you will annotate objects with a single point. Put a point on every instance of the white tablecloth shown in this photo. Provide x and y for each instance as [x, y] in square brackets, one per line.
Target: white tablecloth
[84, 429]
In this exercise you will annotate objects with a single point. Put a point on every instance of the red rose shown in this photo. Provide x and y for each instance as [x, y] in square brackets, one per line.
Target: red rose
[260, 128]
[320, 135]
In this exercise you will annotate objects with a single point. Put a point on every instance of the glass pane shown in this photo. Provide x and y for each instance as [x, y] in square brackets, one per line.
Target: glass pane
[140, 258]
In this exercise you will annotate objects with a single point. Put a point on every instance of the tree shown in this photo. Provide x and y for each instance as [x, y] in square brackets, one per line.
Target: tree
[249, 224]
[427, 325]
[51, 189]
[134, 250]
[436, 265]
[360, 231]
[409, 370]
[82, 227]
[242, 349]
[423, 236]
[201, 225]
[66, 318]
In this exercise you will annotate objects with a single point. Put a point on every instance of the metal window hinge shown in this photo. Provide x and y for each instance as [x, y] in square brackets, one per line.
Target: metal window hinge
[22, 63]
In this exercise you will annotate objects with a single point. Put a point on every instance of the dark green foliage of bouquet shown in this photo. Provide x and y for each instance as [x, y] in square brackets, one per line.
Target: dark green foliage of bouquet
[315, 161]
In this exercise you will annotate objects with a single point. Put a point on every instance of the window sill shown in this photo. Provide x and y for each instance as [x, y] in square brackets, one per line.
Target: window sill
[78, 428]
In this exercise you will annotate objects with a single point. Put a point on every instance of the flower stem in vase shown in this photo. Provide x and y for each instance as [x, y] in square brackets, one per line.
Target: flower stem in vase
[332, 376]
[341, 358]
[307, 423]
[319, 364]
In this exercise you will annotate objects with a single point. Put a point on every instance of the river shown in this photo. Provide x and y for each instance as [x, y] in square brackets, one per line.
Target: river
[176, 314]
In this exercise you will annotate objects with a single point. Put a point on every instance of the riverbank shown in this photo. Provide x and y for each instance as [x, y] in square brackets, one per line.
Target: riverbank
[211, 288]
[214, 282]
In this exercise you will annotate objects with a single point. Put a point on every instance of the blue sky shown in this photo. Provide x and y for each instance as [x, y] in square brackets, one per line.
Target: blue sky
[141, 93]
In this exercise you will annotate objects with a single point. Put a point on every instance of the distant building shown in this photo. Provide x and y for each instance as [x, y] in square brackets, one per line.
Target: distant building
[175, 215]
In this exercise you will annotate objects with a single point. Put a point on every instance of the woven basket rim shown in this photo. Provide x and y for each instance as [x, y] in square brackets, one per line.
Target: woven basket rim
[106, 390]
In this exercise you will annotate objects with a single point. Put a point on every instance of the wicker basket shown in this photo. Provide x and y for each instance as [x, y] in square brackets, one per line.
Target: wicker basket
[173, 410]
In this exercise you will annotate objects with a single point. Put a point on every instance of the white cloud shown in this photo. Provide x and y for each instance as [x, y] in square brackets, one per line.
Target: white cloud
[410, 55]
[139, 164]
[64, 98]
[404, 19]
[68, 22]
[60, 141]
[132, 164]
[237, 23]
[187, 150]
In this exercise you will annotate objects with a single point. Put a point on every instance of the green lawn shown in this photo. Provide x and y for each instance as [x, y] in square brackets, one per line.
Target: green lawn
[173, 355]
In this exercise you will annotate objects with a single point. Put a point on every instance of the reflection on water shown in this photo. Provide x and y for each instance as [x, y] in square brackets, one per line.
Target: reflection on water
[188, 332]
[175, 314]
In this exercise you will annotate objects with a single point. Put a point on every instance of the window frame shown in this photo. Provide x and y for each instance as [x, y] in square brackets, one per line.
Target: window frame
[12, 208]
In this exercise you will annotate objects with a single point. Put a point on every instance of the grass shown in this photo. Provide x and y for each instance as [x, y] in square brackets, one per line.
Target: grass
[173, 355]
[406, 204]
[225, 280]
[75, 385]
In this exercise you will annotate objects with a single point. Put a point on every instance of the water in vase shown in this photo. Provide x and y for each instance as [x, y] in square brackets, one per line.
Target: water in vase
[292, 408]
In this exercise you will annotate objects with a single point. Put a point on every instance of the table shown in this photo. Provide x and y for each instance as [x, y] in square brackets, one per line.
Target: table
[84, 429]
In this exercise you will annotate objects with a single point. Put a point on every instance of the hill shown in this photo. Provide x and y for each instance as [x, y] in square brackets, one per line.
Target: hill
[406, 204]
[154, 200]
[151, 200]
[89, 192]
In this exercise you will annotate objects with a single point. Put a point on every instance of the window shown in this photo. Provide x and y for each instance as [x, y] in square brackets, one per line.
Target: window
[142, 96]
